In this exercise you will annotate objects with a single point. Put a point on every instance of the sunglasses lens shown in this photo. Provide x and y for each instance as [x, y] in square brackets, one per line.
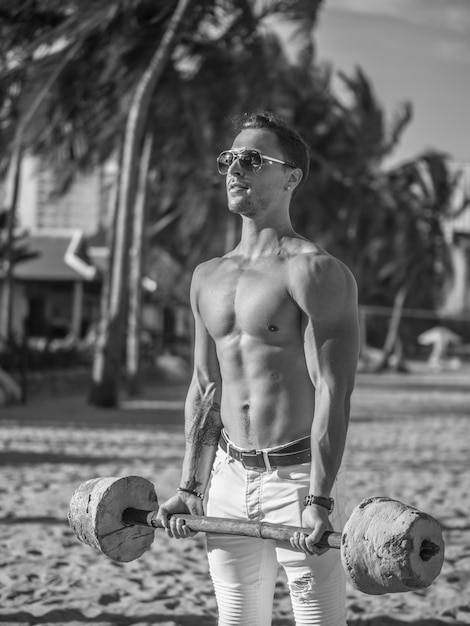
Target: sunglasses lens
[224, 161]
[250, 160]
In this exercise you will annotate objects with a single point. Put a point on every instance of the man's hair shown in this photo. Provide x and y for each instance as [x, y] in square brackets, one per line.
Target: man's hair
[294, 148]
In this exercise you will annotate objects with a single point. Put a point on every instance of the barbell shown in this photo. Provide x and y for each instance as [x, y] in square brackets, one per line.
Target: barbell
[386, 546]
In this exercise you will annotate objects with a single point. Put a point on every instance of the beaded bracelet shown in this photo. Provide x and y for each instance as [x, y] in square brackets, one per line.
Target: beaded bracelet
[193, 493]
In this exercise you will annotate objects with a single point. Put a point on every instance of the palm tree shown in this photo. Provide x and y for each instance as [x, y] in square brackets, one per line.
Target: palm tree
[349, 137]
[106, 48]
[105, 384]
[44, 27]
[416, 258]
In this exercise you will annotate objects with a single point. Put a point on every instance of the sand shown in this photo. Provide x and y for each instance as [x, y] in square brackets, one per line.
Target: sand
[408, 439]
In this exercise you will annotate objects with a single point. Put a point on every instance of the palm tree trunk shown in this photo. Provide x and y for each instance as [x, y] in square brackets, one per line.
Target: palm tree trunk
[393, 328]
[98, 369]
[106, 383]
[137, 254]
[6, 312]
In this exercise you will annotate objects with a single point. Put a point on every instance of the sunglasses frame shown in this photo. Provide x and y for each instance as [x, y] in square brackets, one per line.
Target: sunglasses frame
[263, 158]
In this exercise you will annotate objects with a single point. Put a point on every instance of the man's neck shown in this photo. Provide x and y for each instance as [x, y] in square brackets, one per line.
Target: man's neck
[263, 240]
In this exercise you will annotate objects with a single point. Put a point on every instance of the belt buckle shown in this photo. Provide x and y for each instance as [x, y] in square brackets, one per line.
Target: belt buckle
[255, 456]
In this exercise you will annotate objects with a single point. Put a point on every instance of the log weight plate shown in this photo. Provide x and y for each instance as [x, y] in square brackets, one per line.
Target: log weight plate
[95, 516]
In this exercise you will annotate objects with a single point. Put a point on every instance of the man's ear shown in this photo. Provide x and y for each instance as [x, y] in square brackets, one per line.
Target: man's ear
[294, 178]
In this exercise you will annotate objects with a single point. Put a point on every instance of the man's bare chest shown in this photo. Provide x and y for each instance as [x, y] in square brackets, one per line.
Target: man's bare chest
[253, 300]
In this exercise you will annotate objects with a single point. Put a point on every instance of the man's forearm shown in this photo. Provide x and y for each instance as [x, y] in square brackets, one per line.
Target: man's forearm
[328, 440]
[202, 431]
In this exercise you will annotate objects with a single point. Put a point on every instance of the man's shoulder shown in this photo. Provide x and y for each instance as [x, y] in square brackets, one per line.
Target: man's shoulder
[206, 269]
[316, 271]
[311, 260]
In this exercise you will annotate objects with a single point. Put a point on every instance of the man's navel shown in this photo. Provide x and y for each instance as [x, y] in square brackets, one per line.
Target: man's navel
[246, 417]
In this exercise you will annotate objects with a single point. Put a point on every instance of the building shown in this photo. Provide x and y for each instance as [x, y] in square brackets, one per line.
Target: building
[57, 292]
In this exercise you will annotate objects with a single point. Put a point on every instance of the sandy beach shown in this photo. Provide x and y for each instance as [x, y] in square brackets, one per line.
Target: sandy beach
[408, 439]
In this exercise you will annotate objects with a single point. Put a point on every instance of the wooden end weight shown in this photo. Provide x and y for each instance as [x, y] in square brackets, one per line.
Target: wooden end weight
[95, 516]
[386, 546]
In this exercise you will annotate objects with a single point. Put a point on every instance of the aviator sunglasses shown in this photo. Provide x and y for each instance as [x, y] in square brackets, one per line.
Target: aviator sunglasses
[250, 160]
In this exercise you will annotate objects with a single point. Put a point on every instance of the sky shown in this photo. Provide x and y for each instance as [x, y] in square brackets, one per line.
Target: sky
[416, 50]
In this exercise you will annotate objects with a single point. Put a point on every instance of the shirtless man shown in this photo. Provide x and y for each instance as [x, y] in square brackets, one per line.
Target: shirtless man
[266, 416]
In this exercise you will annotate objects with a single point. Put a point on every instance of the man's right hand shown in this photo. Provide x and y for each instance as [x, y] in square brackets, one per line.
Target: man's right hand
[180, 503]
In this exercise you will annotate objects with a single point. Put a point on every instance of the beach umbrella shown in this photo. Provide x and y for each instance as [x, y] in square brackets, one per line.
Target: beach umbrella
[439, 335]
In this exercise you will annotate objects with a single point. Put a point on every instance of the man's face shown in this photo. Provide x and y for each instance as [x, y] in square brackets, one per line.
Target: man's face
[251, 193]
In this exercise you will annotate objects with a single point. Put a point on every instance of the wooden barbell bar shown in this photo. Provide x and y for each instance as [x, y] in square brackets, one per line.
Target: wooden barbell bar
[386, 546]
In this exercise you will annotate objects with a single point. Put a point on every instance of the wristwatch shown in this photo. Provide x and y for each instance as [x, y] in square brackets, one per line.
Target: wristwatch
[327, 503]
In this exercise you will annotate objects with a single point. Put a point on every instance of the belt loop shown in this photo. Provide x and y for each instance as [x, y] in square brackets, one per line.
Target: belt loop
[229, 458]
[266, 460]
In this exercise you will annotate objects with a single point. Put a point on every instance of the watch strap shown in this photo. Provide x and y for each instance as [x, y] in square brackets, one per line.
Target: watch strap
[327, 503]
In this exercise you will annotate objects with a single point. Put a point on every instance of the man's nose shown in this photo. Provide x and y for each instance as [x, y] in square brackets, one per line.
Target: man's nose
[235, 169]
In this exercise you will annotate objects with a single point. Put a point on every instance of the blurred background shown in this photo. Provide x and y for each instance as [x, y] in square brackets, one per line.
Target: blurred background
[111, 118]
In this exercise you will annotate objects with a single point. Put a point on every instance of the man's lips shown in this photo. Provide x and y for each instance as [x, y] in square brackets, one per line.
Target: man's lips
[236, 186]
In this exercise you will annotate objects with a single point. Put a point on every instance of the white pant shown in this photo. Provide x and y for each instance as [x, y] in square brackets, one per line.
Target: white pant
[244, 569]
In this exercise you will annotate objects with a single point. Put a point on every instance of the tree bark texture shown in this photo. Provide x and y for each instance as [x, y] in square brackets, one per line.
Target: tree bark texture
[113, 329]
[136, 273]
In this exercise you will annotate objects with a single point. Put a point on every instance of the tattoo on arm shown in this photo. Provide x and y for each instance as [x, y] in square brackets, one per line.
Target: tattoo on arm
[192, 484]
[203, 428]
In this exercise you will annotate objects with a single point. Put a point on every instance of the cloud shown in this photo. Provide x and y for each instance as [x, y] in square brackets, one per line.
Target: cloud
[453, 49]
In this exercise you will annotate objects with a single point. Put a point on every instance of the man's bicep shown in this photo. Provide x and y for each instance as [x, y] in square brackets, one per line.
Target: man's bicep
[331, 350]
[339, 350]
[332, 333]
[206, 365]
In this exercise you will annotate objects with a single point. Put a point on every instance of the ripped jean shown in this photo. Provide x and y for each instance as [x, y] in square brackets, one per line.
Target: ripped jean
[244, 569]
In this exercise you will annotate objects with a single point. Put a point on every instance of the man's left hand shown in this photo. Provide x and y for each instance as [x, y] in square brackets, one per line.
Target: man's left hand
[316, 518]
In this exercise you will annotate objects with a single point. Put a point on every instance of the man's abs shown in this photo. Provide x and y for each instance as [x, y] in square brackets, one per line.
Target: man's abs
[267, 394]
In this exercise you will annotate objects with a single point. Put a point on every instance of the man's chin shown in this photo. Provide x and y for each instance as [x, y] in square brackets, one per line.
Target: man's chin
[237, 208]
[240, 207]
